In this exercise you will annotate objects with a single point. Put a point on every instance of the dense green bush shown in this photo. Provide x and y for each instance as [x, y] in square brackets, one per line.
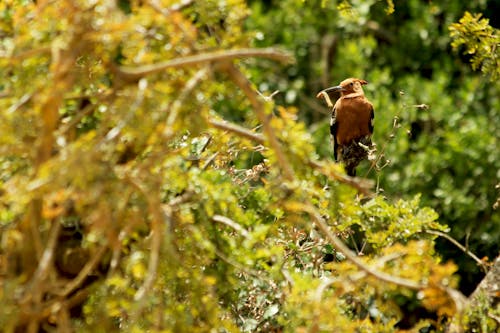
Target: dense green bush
[443, 145]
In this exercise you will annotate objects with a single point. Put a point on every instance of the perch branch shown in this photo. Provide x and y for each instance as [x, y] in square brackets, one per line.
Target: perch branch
[362, 185]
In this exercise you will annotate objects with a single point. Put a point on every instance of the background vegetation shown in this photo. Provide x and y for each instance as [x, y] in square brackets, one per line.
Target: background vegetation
[165, 167]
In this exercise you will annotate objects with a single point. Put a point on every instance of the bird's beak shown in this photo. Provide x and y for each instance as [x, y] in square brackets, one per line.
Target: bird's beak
[331, 89]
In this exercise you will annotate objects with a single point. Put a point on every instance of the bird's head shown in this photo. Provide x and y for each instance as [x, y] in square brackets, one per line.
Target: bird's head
[346, 87]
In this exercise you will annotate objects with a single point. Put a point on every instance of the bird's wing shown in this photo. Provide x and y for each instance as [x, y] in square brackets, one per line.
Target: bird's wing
[333, 132]
[371, 124]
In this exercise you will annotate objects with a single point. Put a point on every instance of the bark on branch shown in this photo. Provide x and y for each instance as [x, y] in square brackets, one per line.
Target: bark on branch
[132, 74]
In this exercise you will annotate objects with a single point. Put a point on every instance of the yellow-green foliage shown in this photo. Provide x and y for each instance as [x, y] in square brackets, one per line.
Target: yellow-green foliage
[124, 208]
[480, 40]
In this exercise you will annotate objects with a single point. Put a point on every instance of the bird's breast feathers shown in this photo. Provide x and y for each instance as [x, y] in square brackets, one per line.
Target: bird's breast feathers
[353, 118]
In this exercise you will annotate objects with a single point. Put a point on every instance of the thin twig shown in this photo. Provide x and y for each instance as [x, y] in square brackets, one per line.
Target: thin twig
[210, 160]
[63, 319]
[177, 104]
[20, 102]
[258, 107]
[269, 97]
[47, 257]
[84, 272]
[314, 105]
[76, 119]
[240, 130]
[38, 52]
[287, 275]
[352, 257]
[154, 257]
[237, 265]
[318, 294]
[460, 246]
[116, 245]
[230, 223]
[158, 214]
[167, 11]
[35, 291]
[361, 184]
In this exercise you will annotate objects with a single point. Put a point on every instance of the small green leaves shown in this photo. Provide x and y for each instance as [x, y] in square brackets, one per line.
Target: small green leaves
[480, 40]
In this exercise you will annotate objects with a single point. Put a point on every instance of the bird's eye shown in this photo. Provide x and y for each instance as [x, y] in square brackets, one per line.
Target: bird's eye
[352, 83]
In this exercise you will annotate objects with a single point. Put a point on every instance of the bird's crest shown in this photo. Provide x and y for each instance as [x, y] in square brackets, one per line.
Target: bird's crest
[353, 79]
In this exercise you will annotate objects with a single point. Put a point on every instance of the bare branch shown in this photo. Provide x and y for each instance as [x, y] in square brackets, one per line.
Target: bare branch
[154, 257]
[352, 257]
[241, 131]
[84, 273]
[128, 74]
[490, 285]
[230, 223]
[167, 11]
[237, 265]
[246, 86]
[362, 185]
[158, 214]
[34, 298]
[82, 113]
[47, 257]
[17, 58]
[484, 267]
[270, 97]
[23, 100]
[186, 91]
[457, 297]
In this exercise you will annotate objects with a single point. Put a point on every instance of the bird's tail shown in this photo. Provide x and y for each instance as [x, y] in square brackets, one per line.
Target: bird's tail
[353, 153]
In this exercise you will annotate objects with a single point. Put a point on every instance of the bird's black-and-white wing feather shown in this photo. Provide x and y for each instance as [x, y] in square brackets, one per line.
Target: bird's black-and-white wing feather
[333, 133]
[371, 125]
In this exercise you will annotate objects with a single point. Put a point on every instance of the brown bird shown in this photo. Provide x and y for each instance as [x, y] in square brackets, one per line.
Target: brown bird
[351, 125]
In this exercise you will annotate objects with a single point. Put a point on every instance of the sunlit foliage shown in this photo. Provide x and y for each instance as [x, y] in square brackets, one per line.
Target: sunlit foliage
[150, 182]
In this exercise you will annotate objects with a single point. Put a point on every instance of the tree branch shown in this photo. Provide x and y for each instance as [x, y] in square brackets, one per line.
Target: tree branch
[361, 184]
[177, 104]
[352, 257]
[460, 246]
[230, 223]
[237, 129]
[246, 86]
[84, 273]
[130, 74]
